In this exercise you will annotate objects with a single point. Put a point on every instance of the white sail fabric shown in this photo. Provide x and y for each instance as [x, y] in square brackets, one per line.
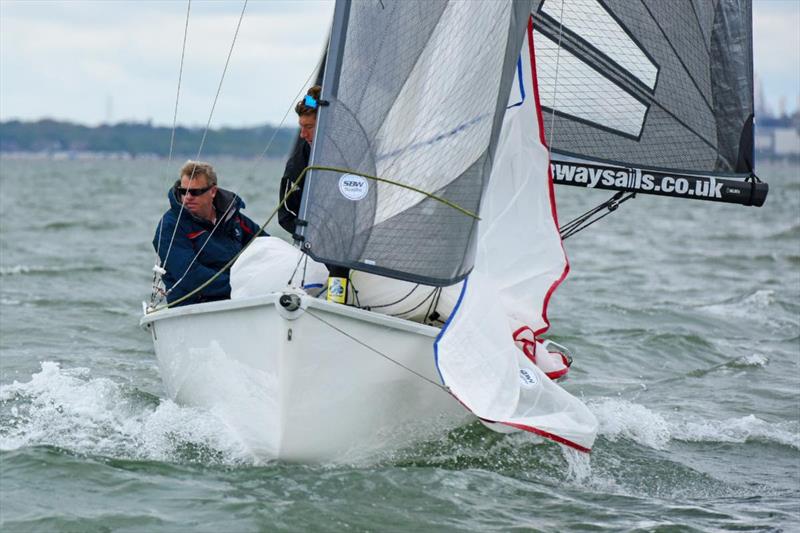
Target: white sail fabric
[268, 264]
[521, 259]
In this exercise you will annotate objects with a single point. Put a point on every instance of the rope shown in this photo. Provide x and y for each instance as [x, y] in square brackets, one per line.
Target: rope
[432, 312]
[305, 266]
[585, 220]
[388, 358]
[420, 304]
[402, 299]
[291, 189]
[296, 267]
[353, 288]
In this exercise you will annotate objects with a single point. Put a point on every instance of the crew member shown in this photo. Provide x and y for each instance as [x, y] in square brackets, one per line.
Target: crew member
[210, 232]
[306, 110]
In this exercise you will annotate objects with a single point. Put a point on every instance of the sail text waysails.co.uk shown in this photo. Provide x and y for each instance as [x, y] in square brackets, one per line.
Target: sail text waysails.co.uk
[635, 180]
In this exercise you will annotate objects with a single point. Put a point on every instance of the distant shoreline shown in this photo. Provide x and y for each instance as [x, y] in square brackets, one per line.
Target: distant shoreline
[65, 140]
[121, 156]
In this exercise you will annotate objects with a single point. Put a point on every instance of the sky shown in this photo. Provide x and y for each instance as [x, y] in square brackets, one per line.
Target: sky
[107, 61]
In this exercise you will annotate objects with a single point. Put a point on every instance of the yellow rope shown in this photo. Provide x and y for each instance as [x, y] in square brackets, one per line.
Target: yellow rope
[293, 188]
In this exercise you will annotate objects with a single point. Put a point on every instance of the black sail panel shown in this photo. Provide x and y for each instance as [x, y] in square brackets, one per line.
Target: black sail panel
[664, 85]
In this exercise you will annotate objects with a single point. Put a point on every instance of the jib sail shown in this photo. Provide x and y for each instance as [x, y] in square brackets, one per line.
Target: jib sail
[414, 93]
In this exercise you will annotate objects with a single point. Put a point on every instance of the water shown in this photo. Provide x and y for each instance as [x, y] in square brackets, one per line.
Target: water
[684, 317]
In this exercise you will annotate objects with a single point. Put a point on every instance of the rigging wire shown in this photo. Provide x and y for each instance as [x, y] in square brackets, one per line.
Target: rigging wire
[178, 91]
[283, 119]
[156, 269]
[296, 268]
[205, 133]
[400, 300]
[585, 220]
[420, 304]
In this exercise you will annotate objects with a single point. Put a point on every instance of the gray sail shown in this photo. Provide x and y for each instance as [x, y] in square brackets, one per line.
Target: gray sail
[414, 92]
[648, 83]
[650, 96]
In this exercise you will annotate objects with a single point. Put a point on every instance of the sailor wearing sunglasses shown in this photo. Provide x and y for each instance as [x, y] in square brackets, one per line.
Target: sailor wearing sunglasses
[199, 234]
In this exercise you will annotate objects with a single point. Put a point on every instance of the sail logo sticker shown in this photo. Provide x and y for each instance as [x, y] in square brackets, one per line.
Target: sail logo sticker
[353, 187]
[527, 378]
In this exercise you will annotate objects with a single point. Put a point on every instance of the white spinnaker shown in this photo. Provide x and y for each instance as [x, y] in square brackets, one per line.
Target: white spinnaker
[519, 257]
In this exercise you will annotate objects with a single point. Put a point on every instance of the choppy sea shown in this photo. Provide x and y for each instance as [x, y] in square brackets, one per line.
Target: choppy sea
[684, 317]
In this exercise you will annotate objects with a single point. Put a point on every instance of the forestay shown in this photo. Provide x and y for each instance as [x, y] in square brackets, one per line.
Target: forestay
[415, 94]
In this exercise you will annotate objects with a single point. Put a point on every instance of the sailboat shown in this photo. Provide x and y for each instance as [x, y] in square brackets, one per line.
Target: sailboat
[431, 167]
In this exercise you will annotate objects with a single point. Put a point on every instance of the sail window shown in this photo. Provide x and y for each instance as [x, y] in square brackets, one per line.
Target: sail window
[590, 20]
[583, 92]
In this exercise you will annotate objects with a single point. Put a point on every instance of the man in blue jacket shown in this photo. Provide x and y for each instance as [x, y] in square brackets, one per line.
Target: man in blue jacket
[210, 232]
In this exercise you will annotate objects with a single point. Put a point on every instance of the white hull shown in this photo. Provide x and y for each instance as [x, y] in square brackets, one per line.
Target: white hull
[294, 388]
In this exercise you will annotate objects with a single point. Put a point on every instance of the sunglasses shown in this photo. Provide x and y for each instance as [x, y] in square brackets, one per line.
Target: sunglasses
[193, 192]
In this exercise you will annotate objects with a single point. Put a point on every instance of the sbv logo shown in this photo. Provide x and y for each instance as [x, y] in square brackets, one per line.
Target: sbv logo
[353, 187]
[527, 378]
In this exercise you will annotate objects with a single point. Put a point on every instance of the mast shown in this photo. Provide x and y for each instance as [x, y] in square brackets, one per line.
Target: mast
[330, 86]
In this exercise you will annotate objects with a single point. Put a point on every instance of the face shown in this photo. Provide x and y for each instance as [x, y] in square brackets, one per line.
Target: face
[308, 123]
[203, 205]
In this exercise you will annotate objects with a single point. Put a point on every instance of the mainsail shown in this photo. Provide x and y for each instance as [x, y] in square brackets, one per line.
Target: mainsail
[650, 96]
[414, 93]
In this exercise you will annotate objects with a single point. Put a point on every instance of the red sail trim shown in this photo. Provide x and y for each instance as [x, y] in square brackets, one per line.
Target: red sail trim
[553, 209]
[529, 349]
[548, 435]
[558, 373]
[519, 332]
[529, 429]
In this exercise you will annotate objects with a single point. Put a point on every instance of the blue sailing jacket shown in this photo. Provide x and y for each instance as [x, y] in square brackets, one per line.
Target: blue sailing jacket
[193, 234]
